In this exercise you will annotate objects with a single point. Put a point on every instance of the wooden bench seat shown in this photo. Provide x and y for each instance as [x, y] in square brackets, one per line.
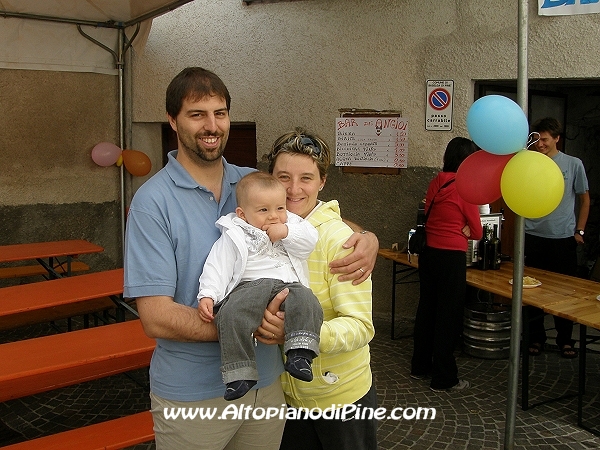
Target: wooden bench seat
[94, 305]
[41, 364]
[112, 434]
[38, 269]
[36, 299]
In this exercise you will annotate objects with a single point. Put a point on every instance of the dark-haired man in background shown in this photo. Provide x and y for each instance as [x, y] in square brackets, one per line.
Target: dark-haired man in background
[551, 241]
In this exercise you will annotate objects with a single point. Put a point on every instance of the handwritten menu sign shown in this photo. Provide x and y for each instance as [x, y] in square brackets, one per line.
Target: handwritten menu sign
[371, 141]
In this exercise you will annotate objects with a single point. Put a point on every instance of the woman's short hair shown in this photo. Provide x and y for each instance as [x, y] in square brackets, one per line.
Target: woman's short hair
[456, 152]
[301, 142]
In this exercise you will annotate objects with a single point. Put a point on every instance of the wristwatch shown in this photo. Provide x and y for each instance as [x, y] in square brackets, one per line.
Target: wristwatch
[579, 232]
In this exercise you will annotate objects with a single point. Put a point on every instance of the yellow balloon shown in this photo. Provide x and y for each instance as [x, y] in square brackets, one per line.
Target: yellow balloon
[532, 185]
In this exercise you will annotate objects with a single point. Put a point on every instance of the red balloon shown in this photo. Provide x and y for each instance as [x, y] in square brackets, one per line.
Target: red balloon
[137, 163]
[478, 177]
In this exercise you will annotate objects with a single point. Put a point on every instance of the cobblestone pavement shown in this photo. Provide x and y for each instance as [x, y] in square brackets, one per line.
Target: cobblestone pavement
[473, 419]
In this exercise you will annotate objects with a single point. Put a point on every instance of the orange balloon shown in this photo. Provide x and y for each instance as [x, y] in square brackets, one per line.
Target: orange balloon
[137, 163]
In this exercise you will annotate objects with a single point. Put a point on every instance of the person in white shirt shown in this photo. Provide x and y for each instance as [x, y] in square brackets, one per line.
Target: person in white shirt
[262, 249]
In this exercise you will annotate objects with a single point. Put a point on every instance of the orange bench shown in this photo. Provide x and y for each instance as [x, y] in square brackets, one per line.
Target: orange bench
[112, 434]
[43, 250]
[95, 305]
[47, 300]
[41, 364]
[37, 270]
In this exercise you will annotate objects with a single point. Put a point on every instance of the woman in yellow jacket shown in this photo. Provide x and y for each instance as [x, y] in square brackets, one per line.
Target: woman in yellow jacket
[342, 372]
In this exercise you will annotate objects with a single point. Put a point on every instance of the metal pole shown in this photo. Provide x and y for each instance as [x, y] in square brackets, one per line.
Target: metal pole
[517, 287]
[91, 23]
[123, 45]
[515, 336]
[120, 60]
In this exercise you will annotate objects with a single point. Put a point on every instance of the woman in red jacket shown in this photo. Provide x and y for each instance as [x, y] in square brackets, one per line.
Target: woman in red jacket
[442, 272]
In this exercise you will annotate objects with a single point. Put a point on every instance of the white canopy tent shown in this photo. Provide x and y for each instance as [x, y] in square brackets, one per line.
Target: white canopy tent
[36, 37]
[79, 36]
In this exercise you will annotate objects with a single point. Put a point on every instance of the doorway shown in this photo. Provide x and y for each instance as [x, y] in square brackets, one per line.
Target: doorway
[576, 104]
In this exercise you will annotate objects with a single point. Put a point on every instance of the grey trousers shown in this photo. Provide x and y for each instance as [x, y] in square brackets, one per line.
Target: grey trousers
[241, 312]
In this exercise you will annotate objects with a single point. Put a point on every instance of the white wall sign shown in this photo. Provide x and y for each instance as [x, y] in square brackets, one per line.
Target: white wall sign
[438, 115]
[371, 141]
[567, 7]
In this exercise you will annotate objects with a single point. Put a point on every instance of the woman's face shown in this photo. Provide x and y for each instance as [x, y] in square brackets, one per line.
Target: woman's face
[300, 176]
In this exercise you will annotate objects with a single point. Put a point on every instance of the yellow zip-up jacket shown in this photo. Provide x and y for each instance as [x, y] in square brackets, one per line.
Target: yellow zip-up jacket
[342, 371]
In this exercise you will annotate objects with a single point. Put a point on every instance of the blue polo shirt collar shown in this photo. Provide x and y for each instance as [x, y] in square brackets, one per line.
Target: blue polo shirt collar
[184, 180]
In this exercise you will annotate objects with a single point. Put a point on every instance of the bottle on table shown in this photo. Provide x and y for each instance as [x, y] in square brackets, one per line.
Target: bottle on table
[494, 250]
[483, 250]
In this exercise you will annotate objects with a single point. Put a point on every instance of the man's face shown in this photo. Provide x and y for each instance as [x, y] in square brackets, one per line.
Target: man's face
[202, 128]
[546, 144]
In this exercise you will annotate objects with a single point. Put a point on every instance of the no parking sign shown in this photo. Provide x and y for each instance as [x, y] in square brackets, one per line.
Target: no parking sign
[438, 116]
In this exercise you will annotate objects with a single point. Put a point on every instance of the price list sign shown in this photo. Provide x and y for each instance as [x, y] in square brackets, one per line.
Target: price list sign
[371, 142]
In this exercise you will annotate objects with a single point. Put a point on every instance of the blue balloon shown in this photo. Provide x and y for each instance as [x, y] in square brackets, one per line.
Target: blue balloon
[497, 125]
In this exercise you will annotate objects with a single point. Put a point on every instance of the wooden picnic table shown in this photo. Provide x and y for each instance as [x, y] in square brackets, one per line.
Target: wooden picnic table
[45, 254]
[565, 296]
[555, 287]
[37, 250]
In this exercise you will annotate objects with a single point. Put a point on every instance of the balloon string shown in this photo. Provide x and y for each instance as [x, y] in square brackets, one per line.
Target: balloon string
[531, 139]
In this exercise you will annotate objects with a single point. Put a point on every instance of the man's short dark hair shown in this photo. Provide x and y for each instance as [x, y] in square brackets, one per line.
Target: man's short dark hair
[194, 83]
[548, 124]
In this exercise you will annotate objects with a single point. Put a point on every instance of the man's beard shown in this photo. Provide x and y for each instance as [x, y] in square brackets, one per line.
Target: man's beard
[196, 151]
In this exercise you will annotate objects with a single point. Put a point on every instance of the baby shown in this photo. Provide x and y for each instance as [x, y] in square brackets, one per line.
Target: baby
[262, 249]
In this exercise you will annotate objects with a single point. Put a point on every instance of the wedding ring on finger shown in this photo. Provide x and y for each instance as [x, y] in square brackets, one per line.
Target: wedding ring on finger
[273, 336]
[361, 269]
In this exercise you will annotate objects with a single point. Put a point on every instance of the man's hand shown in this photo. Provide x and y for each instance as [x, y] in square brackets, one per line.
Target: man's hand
[359, 264]
[271, 329]
[205, 308]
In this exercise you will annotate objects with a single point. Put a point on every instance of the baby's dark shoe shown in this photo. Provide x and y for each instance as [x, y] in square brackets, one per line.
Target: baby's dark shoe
[237, 389]
[298, 364]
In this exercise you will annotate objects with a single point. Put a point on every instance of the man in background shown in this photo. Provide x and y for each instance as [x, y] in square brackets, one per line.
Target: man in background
[551, 241]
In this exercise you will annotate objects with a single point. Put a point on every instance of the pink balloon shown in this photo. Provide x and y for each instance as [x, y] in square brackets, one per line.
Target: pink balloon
[478, 177]
[105, 154]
